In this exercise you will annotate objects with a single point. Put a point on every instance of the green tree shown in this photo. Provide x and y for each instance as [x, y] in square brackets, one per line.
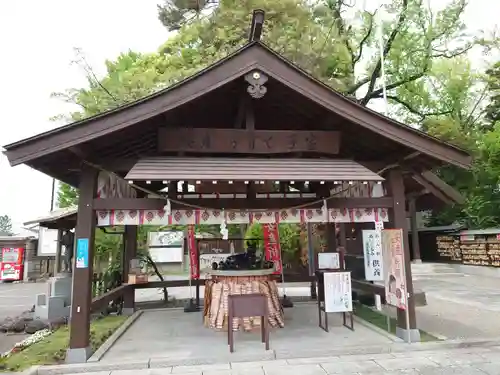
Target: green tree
[5, 225]
[471, 124]
[289, 239]
[493, 109]
[331, 39]
[327, 38]
[67, 196]
[424, 51]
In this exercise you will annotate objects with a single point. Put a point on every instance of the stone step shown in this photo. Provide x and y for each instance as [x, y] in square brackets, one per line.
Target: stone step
[279, 357]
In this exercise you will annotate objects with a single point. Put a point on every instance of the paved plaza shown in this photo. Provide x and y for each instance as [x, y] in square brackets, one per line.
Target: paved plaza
[459, 306]
[466, 361]
[18, 297]
[161, 342]
[182, 337]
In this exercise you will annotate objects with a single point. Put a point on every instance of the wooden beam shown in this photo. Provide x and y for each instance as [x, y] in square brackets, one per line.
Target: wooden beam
[204, 140]
[431, 188]
[78, 151]
[251, 190]
[103, 204]
[250, 119]
[448, 190]
[321, 190]
[240, 114]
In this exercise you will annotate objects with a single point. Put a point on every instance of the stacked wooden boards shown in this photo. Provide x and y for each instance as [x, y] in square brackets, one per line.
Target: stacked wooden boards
[219, 287]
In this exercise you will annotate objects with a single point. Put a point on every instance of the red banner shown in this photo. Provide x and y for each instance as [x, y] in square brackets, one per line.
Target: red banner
[272, 246]
[193, 253]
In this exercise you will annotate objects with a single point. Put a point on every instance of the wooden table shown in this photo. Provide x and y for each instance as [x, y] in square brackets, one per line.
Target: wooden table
[220, 284]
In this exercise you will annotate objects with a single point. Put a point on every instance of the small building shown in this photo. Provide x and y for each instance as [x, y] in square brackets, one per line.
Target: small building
[242, 131]
[34, 266]
[50, 228]
[435, 242]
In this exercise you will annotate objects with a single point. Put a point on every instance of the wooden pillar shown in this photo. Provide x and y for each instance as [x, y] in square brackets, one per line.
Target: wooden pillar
[331, 238]
[129, 253]
[312, 260]
[57, 265]
[343, 236]
[397, 192]
[415, 242]
[79, 340]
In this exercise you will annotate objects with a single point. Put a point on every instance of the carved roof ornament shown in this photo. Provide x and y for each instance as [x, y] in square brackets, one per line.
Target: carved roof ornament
[256, 81]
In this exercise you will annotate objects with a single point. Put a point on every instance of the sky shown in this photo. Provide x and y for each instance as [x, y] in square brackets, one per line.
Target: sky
[37, 40]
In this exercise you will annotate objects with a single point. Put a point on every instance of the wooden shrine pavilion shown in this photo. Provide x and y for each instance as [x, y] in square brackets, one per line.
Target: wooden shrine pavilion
[258, 138]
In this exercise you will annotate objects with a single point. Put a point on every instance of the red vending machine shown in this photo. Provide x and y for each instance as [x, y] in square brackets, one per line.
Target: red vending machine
[12, 265]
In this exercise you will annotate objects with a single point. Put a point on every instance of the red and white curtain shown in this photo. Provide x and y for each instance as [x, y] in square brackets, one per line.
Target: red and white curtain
[194, 217]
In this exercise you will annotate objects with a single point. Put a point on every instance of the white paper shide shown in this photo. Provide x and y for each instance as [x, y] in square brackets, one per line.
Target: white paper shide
[372, 249]
[338, 296]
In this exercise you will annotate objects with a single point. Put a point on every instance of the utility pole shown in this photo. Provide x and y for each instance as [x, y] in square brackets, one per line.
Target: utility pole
[53, 194]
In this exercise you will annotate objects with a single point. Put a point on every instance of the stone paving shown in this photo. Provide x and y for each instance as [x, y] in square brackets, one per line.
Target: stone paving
[14, 299]
[460, 306]
[465, 361]
[175, 334]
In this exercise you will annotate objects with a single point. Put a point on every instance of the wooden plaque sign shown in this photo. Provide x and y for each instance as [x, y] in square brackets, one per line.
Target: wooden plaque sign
[247, 141]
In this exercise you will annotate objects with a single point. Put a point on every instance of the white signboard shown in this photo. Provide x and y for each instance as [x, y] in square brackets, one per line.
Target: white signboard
[328, 261]
[167, 254]
[379, 225]
[47, 242]
[166, 239]
[206, 260]
[166, 247]
[394, 274]
[338, 295]
[372, 250]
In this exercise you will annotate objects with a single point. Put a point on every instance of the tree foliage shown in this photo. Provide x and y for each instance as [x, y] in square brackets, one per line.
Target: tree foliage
[471, 125]
[334, 40]
[289, 236]
[430, 83]
[67, 196]
[5, 225]
[330, 39]
[493, 109]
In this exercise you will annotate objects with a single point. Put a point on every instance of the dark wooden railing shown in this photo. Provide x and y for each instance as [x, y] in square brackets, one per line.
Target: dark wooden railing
[102, 298]
[102, 302]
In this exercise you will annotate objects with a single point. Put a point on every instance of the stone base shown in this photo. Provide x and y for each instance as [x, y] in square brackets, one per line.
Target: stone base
[79, 355]
[403, 334]
[128, 311]
[417, 261]
[62, 274]
[420, 298]
[286, 302]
